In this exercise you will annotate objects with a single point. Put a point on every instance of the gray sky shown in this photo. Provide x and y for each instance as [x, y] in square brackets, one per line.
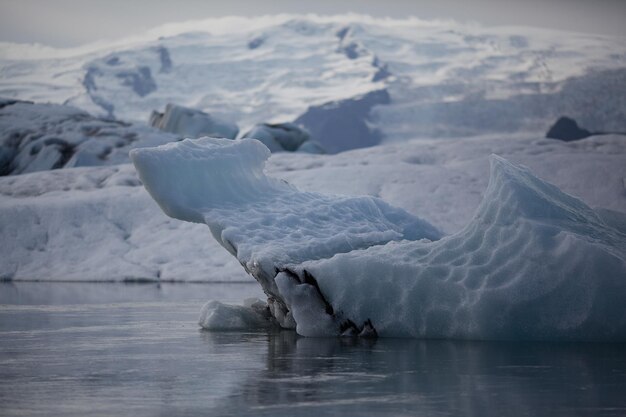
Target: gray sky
[74, 22]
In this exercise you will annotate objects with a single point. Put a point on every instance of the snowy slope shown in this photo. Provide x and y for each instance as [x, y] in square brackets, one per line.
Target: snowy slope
[99, 223]
[443, 78]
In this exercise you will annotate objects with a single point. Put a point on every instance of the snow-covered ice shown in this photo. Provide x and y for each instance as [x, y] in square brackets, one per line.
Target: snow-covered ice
[39, 137]
[265, 222]
[533, 262]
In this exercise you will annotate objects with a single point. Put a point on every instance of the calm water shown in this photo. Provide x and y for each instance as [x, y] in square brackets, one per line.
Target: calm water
[112, 349]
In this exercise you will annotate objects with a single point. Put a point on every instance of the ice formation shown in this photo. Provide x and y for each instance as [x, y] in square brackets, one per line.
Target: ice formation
[38, 137]
[192, 123]
[281, 137]
[266, 223]
[533, 263]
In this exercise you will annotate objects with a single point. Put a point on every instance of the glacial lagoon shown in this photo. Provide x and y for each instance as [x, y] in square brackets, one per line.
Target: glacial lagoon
[74, 349]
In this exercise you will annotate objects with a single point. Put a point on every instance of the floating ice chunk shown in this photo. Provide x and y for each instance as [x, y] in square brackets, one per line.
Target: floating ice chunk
[41, 137]
[192, 123]
[344, 124]
[265, 222]
[310, 146]
[215, 315]
[280, 136]
[533, 263]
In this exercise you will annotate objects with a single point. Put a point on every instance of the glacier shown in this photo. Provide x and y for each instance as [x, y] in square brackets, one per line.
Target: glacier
[533, 262]
[444, 78]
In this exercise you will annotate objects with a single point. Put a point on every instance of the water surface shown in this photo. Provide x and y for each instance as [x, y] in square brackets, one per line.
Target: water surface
[114, 349]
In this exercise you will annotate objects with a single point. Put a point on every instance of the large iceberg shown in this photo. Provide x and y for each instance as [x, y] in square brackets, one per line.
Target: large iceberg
[265, 222]
[533, 263]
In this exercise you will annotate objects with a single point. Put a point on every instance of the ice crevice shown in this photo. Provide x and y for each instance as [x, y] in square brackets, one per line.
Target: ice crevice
[533, 263]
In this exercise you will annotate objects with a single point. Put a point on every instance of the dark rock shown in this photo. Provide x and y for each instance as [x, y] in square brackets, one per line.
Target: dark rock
[89, 82]
[383, 70]
[165, 59]
[567, 129]
[342, 125]
[343, 32]
[140, 80]
[10, 101]
[256, 42]
[351, 50]
[279, 137]
[113, 61]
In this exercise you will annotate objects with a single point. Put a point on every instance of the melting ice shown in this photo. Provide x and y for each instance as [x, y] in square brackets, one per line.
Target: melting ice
[533, 263]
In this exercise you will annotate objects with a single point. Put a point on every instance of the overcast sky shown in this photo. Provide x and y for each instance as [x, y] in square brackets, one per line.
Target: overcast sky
[75, 22]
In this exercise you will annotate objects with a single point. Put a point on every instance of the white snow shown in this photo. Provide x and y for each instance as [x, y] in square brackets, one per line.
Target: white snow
[445, 78]
[533, 263]
[99, 224]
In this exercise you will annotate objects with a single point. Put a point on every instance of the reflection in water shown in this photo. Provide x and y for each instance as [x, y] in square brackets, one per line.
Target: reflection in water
[305, 376]
[90, 349]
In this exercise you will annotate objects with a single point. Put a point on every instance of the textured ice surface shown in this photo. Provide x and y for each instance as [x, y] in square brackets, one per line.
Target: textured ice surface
[533, 263]
[264, 222]
[39, 137]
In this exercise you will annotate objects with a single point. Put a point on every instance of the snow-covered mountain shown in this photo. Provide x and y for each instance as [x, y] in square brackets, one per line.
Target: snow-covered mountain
[442, 78]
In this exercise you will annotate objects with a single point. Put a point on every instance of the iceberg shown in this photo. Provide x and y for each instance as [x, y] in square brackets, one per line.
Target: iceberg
[40, 137]
[191, 123]
[279, 137]
[533, 263]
